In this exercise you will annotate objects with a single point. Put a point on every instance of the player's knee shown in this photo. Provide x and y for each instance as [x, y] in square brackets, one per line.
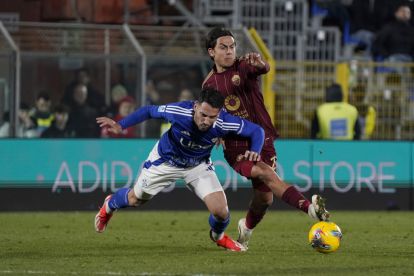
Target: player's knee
[263, 172]
[220, 213]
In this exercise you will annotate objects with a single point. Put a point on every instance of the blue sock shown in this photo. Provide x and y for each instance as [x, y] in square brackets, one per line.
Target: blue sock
[119, 199]
[218, 226]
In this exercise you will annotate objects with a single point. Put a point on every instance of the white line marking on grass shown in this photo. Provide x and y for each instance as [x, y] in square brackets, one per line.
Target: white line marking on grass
[42, 272]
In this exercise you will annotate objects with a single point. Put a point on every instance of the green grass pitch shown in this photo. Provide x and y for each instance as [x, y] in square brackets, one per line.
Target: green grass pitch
[177, 243]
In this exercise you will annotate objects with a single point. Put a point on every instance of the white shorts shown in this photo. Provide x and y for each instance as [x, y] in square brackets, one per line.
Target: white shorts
[201, 179]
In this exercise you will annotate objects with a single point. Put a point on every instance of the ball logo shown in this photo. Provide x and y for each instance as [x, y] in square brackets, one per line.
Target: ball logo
[236, 80]
[232, 103]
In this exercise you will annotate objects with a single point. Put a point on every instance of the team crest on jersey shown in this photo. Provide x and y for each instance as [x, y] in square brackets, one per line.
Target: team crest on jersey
[161, 108]
[236, 80]
[232, 103]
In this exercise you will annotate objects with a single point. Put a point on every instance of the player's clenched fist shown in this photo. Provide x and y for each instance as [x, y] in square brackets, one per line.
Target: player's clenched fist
[254, 59]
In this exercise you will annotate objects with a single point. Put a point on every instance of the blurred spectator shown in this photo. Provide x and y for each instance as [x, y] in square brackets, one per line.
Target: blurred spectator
[395, 41]
[82, 116]
[152, 126]
[335, 119]
[95, 99]
[41, 113]
[185, 95]
[126, 106]
[366, 112]
[153, 96]
[336, 13]
[59, 128]
[118, 92]
[366, 18]
[26, 128]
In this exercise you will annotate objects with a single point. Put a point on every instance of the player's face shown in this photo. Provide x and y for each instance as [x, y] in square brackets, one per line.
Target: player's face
[205, 115]
[224, 53]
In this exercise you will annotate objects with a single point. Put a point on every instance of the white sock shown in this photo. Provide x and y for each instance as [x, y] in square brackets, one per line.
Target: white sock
[107, 209]
[216, 236]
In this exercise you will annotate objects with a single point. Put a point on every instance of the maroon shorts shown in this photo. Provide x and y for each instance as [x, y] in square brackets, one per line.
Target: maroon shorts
[244, 167]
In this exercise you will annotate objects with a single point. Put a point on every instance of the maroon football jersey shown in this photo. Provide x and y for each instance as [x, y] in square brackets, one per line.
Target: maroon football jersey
[241, 89]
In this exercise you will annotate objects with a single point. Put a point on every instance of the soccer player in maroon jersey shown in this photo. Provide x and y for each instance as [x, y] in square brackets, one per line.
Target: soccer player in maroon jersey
[237, 79]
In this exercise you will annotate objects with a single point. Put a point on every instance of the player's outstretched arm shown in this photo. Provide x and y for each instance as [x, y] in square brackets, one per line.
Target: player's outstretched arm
[109, 124]
[256, 135]
[255, 60]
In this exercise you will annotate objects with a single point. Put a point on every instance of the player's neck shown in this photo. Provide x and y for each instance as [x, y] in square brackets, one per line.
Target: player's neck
[220, 69]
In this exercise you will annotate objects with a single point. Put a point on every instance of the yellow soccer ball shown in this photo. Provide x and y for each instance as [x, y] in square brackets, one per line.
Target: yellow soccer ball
[325, 237]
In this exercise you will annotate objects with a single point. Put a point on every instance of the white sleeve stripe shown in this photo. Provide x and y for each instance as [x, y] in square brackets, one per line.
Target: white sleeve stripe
[220, 121]
[232, 125]
[179, 113]
[241, 127]
[180, 109]
[227, 127]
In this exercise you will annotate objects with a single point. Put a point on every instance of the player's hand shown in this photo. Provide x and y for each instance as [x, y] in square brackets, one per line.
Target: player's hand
[109, 124]
[254, 59]
[251, 156]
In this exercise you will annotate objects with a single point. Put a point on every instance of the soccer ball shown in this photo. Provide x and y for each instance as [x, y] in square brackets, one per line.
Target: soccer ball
[325, 237]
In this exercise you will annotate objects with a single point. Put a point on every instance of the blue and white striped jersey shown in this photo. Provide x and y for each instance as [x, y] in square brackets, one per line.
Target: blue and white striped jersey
[184, 145]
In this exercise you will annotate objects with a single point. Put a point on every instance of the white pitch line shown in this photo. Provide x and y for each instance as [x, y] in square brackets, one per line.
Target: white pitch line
[43, 272]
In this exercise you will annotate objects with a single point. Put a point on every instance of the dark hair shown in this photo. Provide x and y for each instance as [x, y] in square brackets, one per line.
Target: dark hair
[333, 93]
[212, 97]
[214, 34]
[43, 95]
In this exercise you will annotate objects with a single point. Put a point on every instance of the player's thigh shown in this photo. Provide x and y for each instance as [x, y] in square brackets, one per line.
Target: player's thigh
[154, 179]
[236, 161]
[202, 180]
[245, 167]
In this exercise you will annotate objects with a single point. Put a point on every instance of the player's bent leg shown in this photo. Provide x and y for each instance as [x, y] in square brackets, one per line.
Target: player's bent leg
[219, 219]
[264, 173]
[289, 194]
[123, 198]
[259, 204]
[112, 203]
[203, 181]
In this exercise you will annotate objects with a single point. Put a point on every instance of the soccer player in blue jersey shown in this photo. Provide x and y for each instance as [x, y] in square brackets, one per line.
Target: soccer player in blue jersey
[183, 152]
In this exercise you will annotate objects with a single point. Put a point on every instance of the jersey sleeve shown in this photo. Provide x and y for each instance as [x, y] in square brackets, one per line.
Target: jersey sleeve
[235, 125]
[253, 71]
[143, 114]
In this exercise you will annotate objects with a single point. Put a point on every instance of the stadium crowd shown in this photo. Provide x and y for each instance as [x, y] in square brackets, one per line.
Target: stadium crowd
[378, 30]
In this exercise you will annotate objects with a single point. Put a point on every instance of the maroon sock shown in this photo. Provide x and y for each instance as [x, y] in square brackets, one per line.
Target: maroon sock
[254, 217]
[294, 198]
